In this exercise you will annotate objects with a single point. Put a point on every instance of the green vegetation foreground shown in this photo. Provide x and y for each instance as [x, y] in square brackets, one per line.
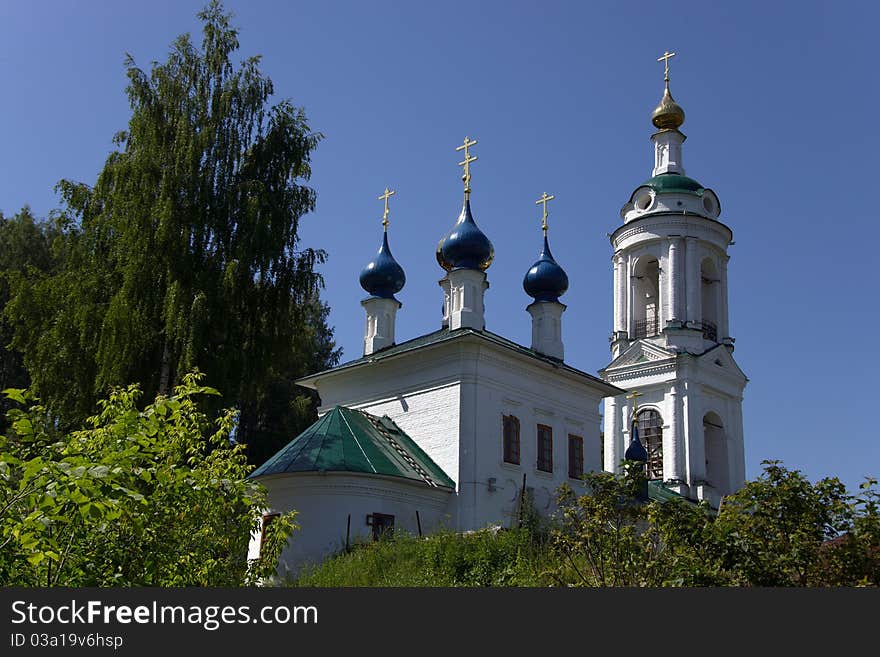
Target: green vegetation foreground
[779, 530]
[159, 497]
[152, 497]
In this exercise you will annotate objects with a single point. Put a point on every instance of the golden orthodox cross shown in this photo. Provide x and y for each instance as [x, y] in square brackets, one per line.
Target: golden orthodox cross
[468, 158]
[635, 397]
[544, 200]
[665, 57]
[384, 197]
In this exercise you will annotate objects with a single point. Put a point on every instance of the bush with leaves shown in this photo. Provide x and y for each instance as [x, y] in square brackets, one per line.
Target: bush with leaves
[783, 530]
[777, 530]
[604, 537]
[153, 497]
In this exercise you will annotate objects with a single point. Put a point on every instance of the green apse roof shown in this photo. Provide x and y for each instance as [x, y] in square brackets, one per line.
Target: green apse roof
[347, 440]
[657, 491]
[675, 184]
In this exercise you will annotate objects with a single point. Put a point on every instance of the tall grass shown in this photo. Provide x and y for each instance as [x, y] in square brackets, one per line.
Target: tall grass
[512, 557]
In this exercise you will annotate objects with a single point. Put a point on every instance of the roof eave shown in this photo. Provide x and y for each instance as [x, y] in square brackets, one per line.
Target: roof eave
[468, 334]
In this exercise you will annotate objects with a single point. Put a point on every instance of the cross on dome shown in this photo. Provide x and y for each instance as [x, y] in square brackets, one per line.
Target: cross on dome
[665, 57]
[466, 163]
[544, 200]
[635, 397]
[384, 197]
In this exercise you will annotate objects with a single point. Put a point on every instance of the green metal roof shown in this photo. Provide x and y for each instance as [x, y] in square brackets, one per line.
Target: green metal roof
[675, 184]
[348, 440]
[657, 491]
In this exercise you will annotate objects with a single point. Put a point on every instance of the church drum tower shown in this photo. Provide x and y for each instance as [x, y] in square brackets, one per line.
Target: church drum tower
[671, 341]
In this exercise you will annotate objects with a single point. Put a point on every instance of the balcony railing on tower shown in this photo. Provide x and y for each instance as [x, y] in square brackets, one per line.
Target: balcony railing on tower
[710, 330]
[646, 328]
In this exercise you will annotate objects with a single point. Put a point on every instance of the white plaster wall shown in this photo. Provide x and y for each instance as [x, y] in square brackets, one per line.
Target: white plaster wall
[323, 502]
[502, 386]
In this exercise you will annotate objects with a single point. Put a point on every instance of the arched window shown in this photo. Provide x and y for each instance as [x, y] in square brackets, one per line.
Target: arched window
[709, 291]
[651, 435]
[510, 438]
[646, 298]
[717, 472]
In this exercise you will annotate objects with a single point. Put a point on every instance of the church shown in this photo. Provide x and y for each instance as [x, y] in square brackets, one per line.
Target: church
[461, 428]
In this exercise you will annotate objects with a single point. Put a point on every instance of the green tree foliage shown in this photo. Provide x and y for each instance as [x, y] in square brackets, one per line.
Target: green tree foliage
[605, 537]
[186, 253]
[25, 250]
[156, 497]
[853, 559]
[778, 530]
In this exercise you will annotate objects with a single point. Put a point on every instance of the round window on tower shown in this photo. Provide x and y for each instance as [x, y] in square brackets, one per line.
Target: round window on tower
[644, 200]
[710, 203]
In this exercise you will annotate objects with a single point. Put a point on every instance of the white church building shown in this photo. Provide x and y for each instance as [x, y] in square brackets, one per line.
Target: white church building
[460, 427]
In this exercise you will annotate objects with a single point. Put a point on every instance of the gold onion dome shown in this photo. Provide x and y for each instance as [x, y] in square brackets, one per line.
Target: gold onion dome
[668, 115]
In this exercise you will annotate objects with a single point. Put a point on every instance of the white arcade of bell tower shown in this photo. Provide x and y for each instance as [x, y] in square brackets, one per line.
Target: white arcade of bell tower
[671, 340]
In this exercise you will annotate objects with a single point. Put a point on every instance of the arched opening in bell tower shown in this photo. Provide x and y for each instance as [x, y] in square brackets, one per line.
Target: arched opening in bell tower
[646, 297]
[717, 467]
[710, 281]
[651, 435]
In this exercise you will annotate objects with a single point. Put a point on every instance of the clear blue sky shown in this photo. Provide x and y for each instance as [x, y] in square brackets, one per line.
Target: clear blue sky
[781, 102]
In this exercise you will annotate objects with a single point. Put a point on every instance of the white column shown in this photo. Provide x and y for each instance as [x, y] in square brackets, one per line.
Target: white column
[667, 152]
[662, 294]
[613, 438]
[466, 290]
[619, 294]
[723, 319]
[630, 327]
[673, 465]
[381, 316]
[692, 282]
[547, 328]
[694, 438]
[444, 285]
[674, 279]
[736, 449]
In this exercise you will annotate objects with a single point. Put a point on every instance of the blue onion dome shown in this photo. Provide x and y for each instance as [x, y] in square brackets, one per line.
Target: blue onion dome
[465, 246]
[383, 277]
[636, 451]
[546, 280]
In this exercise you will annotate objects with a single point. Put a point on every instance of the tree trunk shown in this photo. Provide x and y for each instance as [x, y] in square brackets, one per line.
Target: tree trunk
[165, 372]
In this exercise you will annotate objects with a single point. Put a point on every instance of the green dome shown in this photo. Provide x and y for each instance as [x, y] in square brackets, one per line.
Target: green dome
[673, 183]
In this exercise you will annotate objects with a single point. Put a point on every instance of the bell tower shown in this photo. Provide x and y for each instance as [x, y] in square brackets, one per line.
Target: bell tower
[671, 339]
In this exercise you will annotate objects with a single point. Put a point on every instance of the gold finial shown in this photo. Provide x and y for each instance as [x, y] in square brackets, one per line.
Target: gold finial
[544, 200]
[466, 163]
[668, 115]
[635, 397]
[665, 59]
[384, 197]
